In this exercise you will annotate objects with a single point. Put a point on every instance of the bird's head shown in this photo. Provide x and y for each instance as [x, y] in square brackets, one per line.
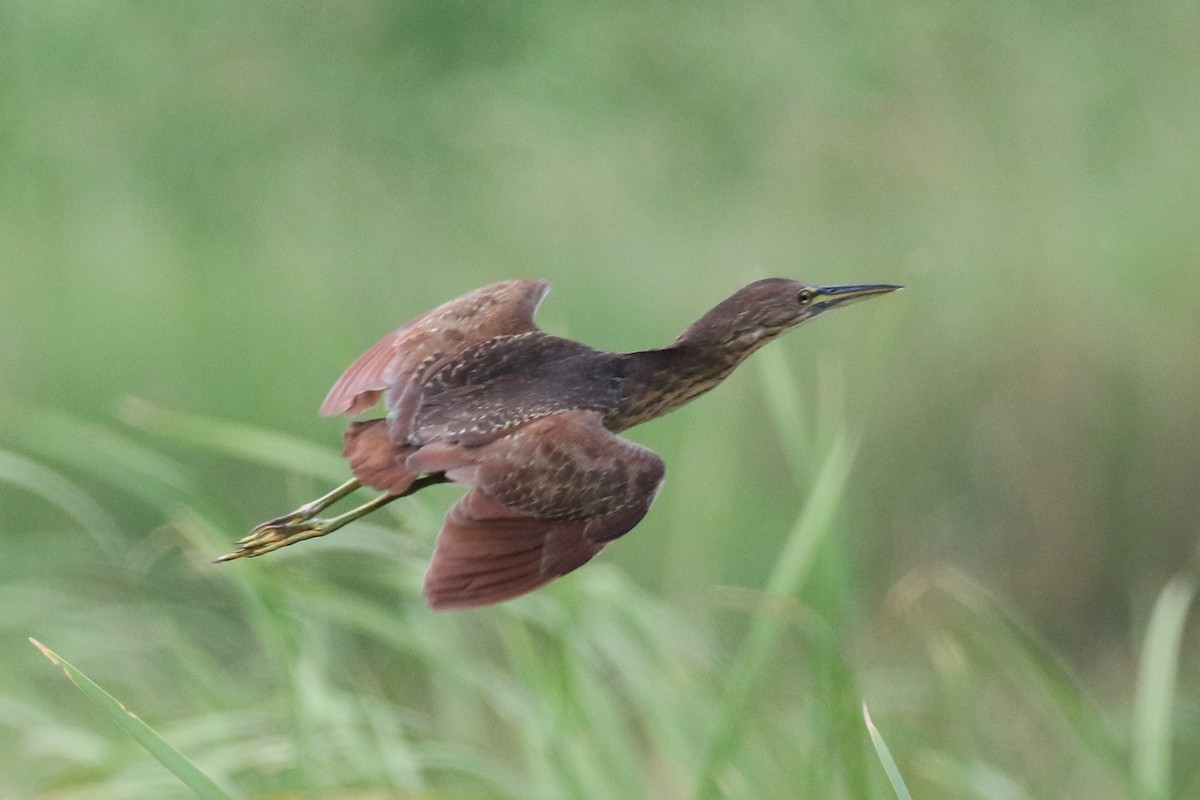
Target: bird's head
[757, 313]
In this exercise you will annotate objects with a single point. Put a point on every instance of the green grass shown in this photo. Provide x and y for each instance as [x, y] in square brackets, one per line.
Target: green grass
[885, 758]
[144, 735]
[350, 687]
[1154, 708]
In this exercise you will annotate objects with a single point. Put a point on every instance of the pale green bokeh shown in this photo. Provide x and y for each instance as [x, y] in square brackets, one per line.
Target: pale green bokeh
[214, 208]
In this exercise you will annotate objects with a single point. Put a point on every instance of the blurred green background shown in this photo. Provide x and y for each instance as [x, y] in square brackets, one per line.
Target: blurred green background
[213, 208]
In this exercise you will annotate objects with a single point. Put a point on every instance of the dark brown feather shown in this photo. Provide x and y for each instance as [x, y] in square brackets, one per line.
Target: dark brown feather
[497, 310]
[547, 498]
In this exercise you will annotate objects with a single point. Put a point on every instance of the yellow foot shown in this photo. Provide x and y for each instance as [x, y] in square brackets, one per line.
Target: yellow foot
[277, 533]
[303, 523]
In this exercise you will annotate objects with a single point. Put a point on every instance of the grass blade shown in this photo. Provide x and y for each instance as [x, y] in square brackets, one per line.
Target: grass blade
[255, 445]
[31, 476]
[143, 734]
[109, 455]
[753, 659]
[1155, 697]
[885, 757]
[991, 632]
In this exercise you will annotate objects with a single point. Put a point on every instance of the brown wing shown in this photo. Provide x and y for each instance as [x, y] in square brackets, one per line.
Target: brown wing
[547, 498]
[496, 310]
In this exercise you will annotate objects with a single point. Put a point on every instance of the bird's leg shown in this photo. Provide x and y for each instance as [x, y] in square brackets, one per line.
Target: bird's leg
[311, 509]
[303, 523]
[296, 527]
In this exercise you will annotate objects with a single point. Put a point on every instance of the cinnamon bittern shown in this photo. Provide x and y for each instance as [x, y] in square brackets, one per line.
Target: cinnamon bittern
[477, 394]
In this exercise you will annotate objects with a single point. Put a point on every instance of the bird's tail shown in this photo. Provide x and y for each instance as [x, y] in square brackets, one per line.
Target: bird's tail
[375, 459]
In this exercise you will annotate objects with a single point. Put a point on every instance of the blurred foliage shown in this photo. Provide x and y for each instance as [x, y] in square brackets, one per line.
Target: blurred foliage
[214, 208]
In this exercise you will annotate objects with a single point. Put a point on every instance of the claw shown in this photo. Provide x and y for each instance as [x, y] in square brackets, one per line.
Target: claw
[287, 521]
[274, 534]
[303, 523]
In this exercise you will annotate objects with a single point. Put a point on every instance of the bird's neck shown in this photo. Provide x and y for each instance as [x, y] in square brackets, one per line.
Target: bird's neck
[657, 382]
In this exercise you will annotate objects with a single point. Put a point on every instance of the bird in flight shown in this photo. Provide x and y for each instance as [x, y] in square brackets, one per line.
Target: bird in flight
[477, 394]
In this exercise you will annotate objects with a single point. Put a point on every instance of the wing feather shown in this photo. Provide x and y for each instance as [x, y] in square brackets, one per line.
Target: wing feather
[546, 499]
[497, 310]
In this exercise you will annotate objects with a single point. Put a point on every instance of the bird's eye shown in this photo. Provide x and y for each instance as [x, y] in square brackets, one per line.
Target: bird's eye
[805, 296]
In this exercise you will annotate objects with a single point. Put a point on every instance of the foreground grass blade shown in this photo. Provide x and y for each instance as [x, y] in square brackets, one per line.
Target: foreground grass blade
[885, 757]
[155, 745]
[753, 659]
[1155, 698]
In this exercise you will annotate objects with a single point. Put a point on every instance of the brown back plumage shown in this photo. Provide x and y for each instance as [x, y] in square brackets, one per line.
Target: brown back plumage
[438, 335]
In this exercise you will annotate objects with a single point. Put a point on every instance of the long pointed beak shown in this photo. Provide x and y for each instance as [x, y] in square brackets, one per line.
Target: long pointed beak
[831, 296]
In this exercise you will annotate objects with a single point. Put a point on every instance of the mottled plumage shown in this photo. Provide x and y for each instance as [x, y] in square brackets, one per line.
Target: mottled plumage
[477, 394]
